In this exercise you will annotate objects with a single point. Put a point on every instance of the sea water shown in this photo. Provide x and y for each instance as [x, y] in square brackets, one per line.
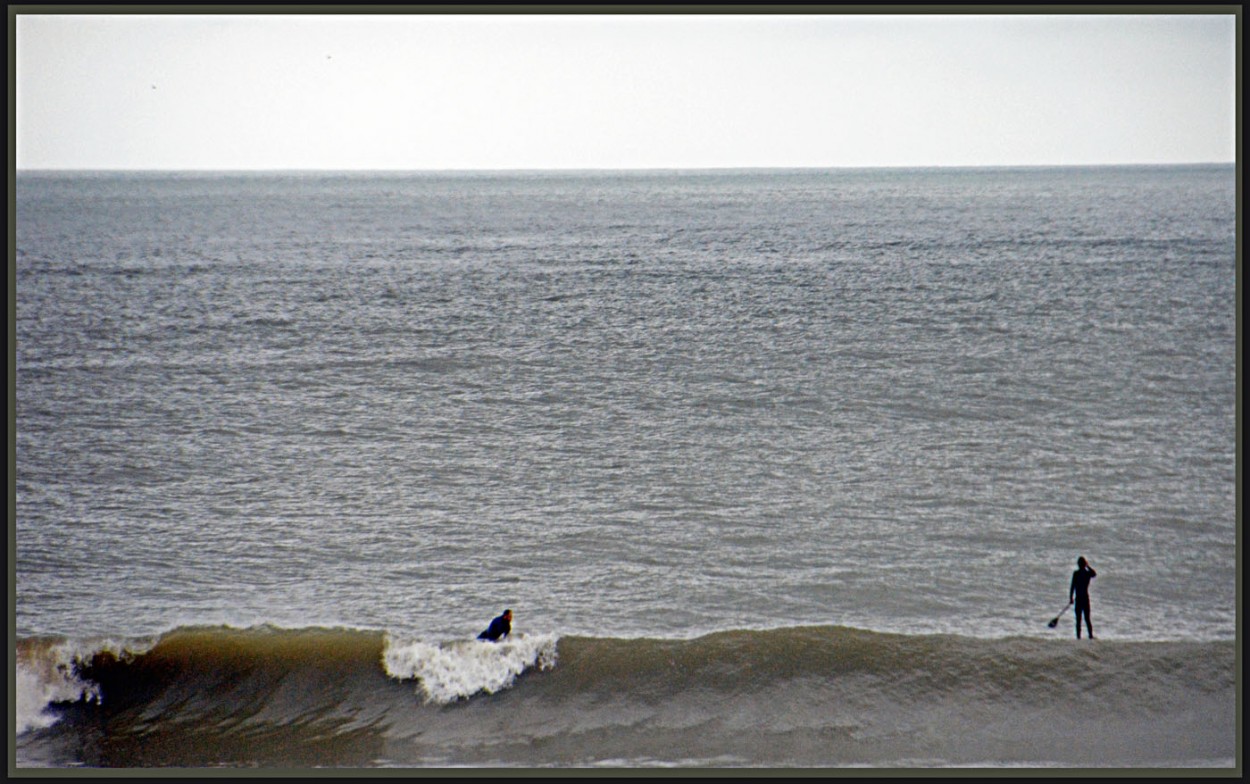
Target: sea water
[772, 467]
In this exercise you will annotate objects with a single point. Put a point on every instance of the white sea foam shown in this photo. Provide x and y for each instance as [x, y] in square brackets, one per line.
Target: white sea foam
[48, 674]
[36, 690]
[456, 670]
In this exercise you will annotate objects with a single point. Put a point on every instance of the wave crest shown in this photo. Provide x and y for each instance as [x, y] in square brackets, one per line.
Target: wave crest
[457, 670]
[49, 671]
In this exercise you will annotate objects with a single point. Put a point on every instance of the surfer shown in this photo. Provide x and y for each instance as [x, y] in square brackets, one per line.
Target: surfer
[502, 626]
[1078, 592]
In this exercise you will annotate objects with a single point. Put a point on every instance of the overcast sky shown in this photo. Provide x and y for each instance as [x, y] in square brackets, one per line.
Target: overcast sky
[596, 91]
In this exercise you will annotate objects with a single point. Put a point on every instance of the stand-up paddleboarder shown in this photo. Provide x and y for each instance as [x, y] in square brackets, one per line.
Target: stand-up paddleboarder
[1078, 592]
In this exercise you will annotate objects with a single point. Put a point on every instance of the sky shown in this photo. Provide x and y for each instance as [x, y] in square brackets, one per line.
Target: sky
[595, 91]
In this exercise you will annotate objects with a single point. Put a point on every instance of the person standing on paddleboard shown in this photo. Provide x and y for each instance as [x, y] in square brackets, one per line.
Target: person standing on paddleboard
[1078, 592]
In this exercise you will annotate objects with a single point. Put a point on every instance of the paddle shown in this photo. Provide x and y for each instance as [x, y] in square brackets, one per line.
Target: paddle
[1055, 622]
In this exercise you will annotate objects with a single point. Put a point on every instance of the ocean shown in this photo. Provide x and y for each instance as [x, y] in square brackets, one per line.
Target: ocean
[774, 468]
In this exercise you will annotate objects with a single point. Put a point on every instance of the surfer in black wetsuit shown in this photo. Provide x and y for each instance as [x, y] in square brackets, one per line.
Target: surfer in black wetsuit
[1079, 593]
[502, 627]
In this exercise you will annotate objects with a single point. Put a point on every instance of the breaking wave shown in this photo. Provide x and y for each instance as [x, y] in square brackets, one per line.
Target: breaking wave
[806, 696]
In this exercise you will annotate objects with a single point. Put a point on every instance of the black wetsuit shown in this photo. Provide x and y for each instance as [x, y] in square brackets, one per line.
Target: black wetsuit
[1079, 593]
[500, 627]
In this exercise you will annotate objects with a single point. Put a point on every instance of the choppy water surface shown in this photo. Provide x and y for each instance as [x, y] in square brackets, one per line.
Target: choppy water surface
[633, 406]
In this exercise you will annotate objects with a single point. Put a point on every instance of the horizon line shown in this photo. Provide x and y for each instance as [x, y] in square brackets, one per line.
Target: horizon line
[613, 169]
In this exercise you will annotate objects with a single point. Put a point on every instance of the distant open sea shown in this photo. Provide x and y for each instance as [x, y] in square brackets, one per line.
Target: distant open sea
[773, 468]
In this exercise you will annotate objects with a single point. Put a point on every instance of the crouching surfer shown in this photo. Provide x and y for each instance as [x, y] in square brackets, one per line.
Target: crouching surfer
[499, 628]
